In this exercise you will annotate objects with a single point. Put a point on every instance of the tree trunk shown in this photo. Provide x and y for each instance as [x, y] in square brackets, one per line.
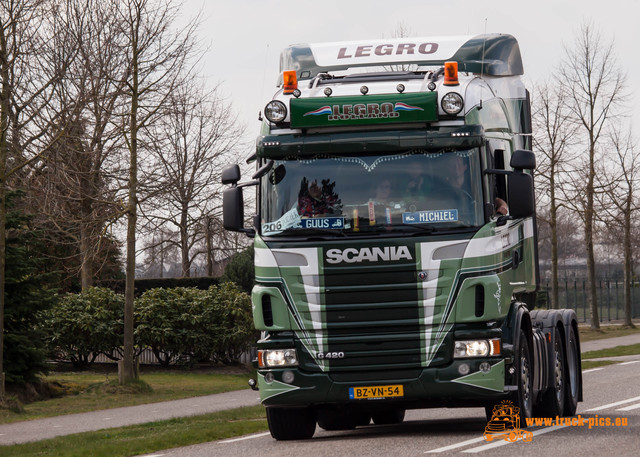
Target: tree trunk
[588, 237]
[555, 296]
[184, 244]
[628, 256]
[127, 366]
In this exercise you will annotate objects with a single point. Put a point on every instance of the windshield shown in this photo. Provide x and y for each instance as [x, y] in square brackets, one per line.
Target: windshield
[379, 193]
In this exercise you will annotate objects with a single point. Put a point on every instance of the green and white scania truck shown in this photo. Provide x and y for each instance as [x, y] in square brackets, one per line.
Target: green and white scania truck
[395, 238]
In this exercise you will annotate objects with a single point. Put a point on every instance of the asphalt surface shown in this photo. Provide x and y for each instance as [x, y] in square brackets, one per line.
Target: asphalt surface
[40, 429]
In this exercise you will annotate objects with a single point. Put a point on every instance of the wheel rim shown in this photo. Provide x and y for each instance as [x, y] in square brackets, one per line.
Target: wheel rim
[558, 371]
[525, 376]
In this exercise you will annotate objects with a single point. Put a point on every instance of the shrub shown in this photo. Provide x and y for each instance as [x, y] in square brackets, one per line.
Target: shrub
[82, 326]
[187, 325]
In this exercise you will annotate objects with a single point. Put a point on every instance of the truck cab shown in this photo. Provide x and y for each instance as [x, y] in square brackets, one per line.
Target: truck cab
[395, 238]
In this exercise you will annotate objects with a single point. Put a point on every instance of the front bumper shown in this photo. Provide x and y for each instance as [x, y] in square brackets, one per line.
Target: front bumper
[433, 387]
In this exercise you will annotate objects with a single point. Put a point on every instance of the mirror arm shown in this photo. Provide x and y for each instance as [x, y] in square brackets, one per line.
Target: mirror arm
[249, 183]
[495, 171]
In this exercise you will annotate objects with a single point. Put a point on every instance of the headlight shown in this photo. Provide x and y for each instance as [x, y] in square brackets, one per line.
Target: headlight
[270, 358]
[275, 111]
[452, 103]
[477, 348]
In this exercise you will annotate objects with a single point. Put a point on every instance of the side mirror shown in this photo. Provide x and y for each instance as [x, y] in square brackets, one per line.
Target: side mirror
[521, 199]
[233, 209]
[523, 160]
[231, 175]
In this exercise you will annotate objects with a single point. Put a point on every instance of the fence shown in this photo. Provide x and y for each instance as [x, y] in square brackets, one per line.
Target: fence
[147, 357]
[573, 294]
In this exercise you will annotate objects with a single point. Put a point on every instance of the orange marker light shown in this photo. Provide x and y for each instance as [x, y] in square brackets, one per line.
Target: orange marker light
[290, 81]
[451, 74]
[495, 346]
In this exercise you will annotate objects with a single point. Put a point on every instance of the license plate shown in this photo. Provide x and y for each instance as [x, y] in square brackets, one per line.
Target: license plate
[359, 393]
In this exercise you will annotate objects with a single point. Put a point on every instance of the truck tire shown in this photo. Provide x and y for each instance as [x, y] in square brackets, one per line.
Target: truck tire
[291, 423]
[523, 397]
[388, 416]
[331, 419]
[574, 375]
[553, 400]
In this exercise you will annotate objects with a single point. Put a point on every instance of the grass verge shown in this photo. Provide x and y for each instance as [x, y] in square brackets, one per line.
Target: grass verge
[147, 438]
[633, 349]
[606, 331]
[588, 364]
[93, 390]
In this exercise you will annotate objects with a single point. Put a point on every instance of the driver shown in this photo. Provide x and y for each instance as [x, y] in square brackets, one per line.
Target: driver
[458, 179]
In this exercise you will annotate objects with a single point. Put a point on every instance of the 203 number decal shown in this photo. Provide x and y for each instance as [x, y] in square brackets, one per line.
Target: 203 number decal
[329, 355]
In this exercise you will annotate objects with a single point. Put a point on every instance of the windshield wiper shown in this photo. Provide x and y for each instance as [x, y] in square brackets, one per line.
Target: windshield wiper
[417, 228]
[311, 231]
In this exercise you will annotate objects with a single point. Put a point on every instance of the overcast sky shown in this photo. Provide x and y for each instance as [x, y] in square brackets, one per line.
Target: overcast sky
[245, 37]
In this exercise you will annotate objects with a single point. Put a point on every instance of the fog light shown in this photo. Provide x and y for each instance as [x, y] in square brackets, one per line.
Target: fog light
[288, 377]
[269, 378]
[485, 367]
[463, 369]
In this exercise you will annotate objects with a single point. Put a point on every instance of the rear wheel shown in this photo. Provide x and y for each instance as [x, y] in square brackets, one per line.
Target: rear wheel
[574, 375]
[291, 424]
[388, 416]
[554, 398]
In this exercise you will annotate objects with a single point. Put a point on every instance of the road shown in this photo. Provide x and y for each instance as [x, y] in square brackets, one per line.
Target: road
[610, 392]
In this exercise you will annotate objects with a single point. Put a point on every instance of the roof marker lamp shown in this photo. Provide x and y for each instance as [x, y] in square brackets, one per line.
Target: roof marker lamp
[452, 103]
[290, 82]
[451, 74]
[275, 111]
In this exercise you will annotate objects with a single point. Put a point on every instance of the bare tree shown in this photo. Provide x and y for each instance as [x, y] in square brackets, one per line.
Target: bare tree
[195, 139]
[33, 57]
[553, 136]
[622, 204]
[157, 57]
[594, 86]
[72, 192]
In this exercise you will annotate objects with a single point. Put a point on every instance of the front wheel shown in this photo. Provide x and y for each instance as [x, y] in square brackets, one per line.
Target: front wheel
[388, 416]
[523, 397]
[291, 423]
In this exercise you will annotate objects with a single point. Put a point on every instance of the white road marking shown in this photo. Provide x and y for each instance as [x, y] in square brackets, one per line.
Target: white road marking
[611, 405]
[454, 446]
[486, 447]
[593, 369]
[629, 363]
[629, 408]
[250, 437]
